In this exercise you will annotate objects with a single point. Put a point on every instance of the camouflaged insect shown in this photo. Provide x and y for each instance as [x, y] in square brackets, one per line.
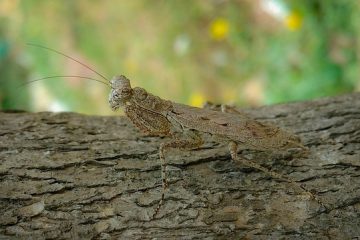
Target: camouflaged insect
[188, 125]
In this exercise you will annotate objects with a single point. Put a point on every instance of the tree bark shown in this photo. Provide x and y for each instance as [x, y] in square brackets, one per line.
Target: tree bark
[71, 176]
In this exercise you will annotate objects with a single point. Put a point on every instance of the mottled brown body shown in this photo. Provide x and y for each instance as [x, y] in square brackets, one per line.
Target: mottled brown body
[156, 116]
[247, 132]
[185, 125]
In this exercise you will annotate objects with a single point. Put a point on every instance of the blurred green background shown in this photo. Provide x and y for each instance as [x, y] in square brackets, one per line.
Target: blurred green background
[245, 52]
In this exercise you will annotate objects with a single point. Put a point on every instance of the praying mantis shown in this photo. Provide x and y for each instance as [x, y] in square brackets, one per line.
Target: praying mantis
[187, 126]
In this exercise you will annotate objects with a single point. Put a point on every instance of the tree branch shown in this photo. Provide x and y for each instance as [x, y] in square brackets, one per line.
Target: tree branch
[74, 176]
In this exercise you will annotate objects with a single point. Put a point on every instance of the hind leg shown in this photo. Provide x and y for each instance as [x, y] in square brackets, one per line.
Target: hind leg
[233, 146]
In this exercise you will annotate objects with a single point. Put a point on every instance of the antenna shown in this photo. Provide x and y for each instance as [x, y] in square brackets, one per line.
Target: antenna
[63, 76]
[75, 60]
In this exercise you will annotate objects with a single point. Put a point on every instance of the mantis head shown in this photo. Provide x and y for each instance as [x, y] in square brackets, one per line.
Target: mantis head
[121, 92]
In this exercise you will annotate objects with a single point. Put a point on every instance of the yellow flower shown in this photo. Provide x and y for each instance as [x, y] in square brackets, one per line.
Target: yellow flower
[293, 21]
[219, 29]
[197, 100]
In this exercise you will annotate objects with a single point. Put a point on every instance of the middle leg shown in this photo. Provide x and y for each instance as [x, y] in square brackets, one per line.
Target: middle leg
[192, 141]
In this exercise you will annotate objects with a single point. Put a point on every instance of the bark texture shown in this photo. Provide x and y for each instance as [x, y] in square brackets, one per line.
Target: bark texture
[71, 176]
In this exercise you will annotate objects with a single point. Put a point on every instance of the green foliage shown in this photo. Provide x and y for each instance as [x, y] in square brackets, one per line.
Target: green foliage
[223, 51]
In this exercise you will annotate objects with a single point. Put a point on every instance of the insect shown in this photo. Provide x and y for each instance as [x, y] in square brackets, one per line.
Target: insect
[188, 126]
